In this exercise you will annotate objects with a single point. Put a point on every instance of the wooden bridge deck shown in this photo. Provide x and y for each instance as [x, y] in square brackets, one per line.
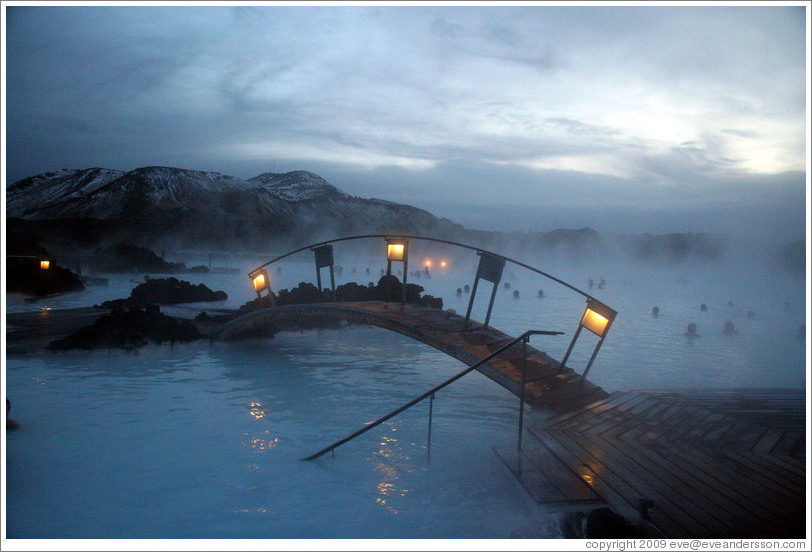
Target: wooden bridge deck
[548, 385]
[712, 463]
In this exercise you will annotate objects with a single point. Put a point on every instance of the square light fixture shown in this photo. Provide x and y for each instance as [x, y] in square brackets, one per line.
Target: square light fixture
[261, 282]
[597, 317]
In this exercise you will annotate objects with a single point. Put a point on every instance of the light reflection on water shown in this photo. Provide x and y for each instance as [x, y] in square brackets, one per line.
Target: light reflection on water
[205, 440]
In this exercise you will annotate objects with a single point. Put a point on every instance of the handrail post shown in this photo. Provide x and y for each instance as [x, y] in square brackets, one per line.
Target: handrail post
[569, 349]
[471, 300]
[521, 396]
[490, 304]
[431, 409]
[592, 358]
[432, 391]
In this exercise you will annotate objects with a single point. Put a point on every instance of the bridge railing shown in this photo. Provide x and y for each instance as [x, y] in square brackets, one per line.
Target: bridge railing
[597, 316]
[524, 338]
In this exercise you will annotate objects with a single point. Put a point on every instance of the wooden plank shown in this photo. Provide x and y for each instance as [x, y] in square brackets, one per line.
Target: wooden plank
[689, 418]
[674, 505]
[632, 414]
[734, 513]
[572, 487]
[577, 418]
[606, 485]
[645, 422]
[716, 463]
[717, 431]
[729, 498]
[768, 441]
[658, 425]
[768, 469]
[683, 475]
[690, 498]
[788, 442]
[692, 469]
[616, 490]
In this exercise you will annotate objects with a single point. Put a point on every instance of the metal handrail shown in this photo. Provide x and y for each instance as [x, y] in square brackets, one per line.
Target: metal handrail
[410, 237]
[431, 392]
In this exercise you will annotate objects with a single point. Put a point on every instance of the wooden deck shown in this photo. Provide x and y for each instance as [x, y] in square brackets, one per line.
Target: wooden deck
[548, 385]
[711, 463]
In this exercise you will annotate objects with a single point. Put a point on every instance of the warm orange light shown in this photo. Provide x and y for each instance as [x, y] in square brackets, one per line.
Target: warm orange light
[260, 281]
[45, 265]
[395, 251]
[428, 263]
[442, 264]
[594, 322]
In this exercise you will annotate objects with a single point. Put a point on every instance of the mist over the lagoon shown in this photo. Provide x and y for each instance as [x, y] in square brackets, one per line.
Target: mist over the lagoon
[484, 196]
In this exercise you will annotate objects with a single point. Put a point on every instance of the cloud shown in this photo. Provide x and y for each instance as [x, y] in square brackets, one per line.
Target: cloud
[654, 107]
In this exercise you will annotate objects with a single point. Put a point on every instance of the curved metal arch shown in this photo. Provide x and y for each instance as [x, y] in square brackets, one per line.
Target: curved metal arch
[437, 240]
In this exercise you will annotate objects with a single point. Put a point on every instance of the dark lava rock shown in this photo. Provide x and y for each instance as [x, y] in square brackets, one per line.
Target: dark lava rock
[24, 275]
[389, 288]
[167, 291]
[23, 272]
[603, 523]
[126, 257]
[129, 329]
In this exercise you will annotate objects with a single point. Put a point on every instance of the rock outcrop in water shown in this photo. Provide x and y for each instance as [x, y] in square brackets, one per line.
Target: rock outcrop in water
[129, 328]
[389, 288]
[167, 291]
[137, 320]
[24, 274]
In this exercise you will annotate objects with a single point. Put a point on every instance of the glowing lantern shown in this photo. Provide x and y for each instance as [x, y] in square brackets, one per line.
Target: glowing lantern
[597, 319]
[45, 265]
[595, 322]
[395, 251]
[261, 282]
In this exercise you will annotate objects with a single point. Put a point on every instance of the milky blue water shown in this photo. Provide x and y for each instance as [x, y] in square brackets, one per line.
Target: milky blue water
[205, 440]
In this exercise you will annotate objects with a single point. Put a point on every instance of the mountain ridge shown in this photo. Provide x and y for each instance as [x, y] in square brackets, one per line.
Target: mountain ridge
[191, 207]
[168, 207]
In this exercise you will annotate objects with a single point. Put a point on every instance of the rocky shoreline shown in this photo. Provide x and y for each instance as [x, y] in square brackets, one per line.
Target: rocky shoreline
[135, 321]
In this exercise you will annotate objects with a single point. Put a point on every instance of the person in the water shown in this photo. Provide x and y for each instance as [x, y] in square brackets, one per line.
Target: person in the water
[10, 424]
[691, 330]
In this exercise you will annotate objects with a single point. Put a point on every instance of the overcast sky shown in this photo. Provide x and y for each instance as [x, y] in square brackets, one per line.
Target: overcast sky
[532, 117]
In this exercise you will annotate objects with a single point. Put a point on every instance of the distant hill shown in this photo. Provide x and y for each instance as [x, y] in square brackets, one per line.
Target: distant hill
[169, 208]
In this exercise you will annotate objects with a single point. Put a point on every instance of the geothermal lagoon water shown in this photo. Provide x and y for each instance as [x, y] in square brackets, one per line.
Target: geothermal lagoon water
[204, 440]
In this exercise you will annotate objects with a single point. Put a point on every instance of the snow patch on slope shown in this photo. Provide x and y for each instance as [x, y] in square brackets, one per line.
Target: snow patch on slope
[54, 188]
[297, 186]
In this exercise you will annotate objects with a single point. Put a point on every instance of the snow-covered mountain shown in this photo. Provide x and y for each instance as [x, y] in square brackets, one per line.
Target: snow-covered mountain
[194, 207]
[50, 189]
[297, 186]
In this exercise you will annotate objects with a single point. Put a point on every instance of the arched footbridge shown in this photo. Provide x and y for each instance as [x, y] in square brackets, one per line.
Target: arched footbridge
[713, 463]
[547, 383]
[518, 367]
